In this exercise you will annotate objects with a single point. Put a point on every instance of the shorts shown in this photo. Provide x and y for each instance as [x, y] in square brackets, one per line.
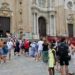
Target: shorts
[64, 61]
[1, 51]
[27, 50]
[4, 54]
[9, 50]
[22, 47]
[40, 52]
[45, 56]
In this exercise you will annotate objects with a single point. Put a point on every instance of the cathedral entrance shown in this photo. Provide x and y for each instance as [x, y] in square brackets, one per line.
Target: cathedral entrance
[42, 26]
[70, 30]
[4, 26]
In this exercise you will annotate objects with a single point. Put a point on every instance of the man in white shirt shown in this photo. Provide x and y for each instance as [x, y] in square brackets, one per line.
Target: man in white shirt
[40, 48]
[10, 46]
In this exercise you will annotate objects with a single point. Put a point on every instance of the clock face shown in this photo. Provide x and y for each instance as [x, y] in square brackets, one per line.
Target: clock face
[69, 5]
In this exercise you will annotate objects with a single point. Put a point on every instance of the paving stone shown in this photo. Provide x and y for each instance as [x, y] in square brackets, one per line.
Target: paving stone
[21, 65]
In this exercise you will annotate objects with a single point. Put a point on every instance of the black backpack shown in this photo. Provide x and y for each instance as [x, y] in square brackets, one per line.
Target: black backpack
[63, 49]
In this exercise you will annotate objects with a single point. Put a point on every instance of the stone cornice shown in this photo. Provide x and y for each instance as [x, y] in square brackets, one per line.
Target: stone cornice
[35, 7]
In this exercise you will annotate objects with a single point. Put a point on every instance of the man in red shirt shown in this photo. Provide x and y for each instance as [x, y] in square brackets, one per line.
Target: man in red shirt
[26, 46]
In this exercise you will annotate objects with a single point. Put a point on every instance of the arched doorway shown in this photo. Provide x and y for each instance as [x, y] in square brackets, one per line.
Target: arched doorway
[42, 26]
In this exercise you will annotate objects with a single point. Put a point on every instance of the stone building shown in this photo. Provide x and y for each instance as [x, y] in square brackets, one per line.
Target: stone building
[38, 17]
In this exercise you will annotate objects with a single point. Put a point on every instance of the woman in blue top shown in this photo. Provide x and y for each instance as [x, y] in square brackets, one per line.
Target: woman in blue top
[5, 51]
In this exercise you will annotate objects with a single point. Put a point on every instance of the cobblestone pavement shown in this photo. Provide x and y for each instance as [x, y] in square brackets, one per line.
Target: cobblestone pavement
[21, 65]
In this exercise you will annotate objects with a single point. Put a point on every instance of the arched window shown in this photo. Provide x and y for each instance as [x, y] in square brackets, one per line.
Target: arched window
[52, 3]
[42, 3]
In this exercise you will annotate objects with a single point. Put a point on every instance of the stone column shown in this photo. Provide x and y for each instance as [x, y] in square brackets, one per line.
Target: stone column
[37, 24]
[48, 25]
[48, 3]
[51, 29]
[54, 26]
[34, 23]
[74, 26]
[37, 27]
[12, 23]
[74, 30]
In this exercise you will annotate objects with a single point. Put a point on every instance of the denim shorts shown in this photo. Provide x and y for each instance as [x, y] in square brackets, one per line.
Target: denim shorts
[1, 51]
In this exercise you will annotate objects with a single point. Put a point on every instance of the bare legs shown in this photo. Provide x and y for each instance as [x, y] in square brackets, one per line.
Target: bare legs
[51, 71]
[64, 70]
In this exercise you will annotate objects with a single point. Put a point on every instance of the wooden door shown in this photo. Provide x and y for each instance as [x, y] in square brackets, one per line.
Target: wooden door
[4, 25]
[70, 30]
[42, 26]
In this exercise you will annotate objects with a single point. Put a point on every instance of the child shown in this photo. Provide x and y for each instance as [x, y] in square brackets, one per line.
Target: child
[51, 60]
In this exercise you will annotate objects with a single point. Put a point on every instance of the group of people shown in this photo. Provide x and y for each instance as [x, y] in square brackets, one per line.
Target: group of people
[59, 54]
[18, 46]
[5, 49]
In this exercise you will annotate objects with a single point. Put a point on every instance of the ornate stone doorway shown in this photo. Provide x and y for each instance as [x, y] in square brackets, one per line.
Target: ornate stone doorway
[4, 25]
[5, 19]
[42, 26]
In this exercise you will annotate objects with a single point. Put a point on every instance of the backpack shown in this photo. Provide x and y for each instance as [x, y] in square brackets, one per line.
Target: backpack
[63, 49]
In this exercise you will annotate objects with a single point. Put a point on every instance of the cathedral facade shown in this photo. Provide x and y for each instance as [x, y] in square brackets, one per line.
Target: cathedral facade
[38, 17]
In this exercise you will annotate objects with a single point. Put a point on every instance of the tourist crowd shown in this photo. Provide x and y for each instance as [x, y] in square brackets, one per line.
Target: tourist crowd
[58, 54]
